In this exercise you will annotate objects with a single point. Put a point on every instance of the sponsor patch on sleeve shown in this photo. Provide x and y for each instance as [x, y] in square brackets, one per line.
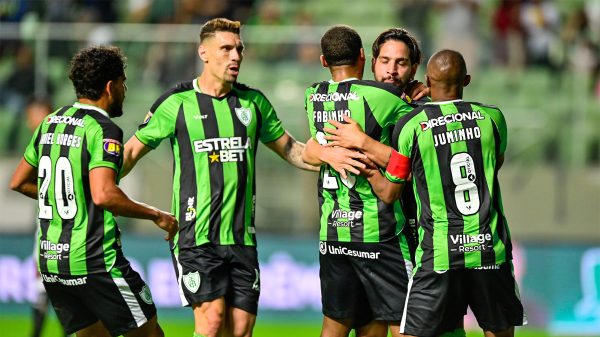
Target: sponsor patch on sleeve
[112, 147]
[147, 118]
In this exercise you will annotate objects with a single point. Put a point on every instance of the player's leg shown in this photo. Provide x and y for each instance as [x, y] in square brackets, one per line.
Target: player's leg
[336, 327]
[244, 289]
[494, 299]
[203, 278]
[209, 317]
[148, 329]
[373, 329]
[510, 332]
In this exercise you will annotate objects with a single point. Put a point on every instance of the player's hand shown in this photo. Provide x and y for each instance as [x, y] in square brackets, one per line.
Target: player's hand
[342, 160]
[369, 169]
[349, 134]
[416, 90]
[167, 222]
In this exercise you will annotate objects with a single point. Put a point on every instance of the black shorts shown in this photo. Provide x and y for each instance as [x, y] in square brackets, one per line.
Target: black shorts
[122, 303]
[438, 300]
[363, 281]
[209, 271]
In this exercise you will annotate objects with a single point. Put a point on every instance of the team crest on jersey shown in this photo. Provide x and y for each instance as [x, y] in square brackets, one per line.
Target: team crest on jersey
[145, 295]
[192, 281]
[323, 247]
[244, 115]
[112, 147]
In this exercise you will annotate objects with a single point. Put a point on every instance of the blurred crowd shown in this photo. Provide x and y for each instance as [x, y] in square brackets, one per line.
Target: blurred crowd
[521, 33]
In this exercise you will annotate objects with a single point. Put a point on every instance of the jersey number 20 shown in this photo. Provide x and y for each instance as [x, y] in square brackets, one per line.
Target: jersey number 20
[64, 194]
[466, 195]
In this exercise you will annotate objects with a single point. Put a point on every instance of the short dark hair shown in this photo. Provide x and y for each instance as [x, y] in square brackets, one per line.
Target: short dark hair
[93, 67]
[219, 25]
[402, 35]
[341, 45]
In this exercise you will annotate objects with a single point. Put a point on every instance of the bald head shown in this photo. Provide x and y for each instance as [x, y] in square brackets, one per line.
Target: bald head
[447, 74]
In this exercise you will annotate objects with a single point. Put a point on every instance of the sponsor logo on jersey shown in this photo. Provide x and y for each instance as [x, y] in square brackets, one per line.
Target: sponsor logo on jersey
[470, 243]
[332, 249]
[451, 118]
[147, 118]
[112, 147]
[69, 120]
[226, 149]
[244, 115]
[192, 281]
[489, 267]
[64, 281]
[454, 136]
[323, 247]
[323, 116]
[145, 295]
[190, 211]
[54, 251]
[343, 218]
[334, 97]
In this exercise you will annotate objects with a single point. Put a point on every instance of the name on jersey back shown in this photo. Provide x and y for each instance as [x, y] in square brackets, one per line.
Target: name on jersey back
[60, 139]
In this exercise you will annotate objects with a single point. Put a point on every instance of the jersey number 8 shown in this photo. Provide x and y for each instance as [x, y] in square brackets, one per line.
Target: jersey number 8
[64, 194]
[463, 176]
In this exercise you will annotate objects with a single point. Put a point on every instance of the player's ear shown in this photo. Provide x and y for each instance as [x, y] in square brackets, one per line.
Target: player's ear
[109, 87]
[467, 80]
[362, 55]
[323, 61]
[427, 81]
[202, 53]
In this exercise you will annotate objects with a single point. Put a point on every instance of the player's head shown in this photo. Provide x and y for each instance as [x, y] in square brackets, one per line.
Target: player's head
[221, 49]
[37, 108]
[447, 73]
[341, 46]
[98, 71]
[396, 57]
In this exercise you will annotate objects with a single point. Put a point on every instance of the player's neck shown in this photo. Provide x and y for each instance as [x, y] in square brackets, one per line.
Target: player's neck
[340, 73]
[212, 86]
[441, 95]
[102, 103]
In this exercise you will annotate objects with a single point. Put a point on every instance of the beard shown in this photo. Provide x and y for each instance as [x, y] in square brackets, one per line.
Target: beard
[115, 109]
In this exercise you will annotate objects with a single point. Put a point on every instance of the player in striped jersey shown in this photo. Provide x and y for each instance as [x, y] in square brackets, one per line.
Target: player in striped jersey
[360, 235]
[214, 125]
[72, 166]
[454, 150]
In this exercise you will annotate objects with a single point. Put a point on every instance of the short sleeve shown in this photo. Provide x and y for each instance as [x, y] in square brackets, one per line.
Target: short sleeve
[271, 128]
[31, 154]
[105, 145]
[159, 122]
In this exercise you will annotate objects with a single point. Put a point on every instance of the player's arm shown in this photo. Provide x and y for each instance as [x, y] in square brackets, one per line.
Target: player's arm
[351, 136]
[416, 90]
[339, 158]
[24, 179]
[290, 150]
[134, 151]
[106, 194]
[385, 190]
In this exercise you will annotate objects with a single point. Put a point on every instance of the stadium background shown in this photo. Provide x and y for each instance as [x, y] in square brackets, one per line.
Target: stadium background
[550, 96]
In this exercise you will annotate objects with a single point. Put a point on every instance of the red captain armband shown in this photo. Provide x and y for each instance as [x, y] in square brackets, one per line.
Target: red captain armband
[399, 165]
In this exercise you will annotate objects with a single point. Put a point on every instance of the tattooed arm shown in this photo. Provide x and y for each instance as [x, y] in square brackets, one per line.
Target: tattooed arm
[291, 150]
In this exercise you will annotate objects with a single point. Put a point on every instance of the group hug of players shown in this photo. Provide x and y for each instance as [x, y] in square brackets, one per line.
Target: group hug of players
[412, 228]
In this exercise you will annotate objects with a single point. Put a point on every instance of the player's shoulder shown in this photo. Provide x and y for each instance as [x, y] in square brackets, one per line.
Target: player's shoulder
[380, 87]
[411, 117]
[246, 89]
[483, 105]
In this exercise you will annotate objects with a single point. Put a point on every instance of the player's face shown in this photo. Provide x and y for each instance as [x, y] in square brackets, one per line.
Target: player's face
[222, 56]
[119, 88]
[393, 64]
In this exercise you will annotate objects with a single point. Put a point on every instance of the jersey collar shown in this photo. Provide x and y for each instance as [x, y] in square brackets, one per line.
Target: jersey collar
[344, 80]
[195, 84]
[90, 107]
[445, 102]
